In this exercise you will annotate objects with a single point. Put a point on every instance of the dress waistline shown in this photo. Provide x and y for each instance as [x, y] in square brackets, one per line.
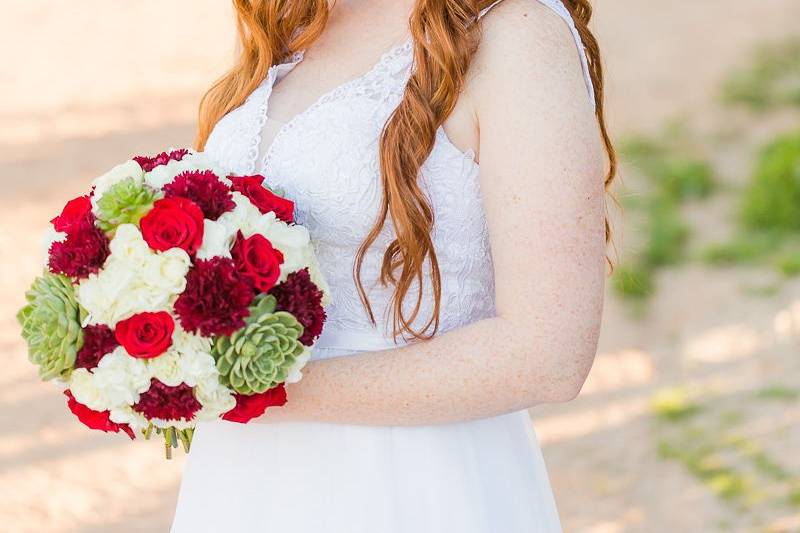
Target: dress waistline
[355, 340]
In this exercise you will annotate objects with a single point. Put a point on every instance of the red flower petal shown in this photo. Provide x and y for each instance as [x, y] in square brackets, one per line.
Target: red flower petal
[99, 420]
[167, 402]
[76, 212]
[173, 223]
[83, 252]
[146, 335]
[98, 340]
[216, 298]
[252, 406]
[203, 188]
[265, 200]
[299, 296]
[149, 163]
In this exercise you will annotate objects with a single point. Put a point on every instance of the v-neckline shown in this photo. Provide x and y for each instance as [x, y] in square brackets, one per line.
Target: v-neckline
[262, 160]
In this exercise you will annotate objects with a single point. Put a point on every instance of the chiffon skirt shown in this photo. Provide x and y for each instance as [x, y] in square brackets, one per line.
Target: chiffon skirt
[483, 476]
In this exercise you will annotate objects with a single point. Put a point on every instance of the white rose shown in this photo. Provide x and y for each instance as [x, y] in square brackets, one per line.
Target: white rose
[134, 279]
[121, 378]
[86, 391]
[215, 398]
[294, 375]
[217, 240]
[109, 295]
[285, 235]
[167, 368]
[118, 291]
[128, 169]
[294, 243]
[185, 342]
[174, 367]
[126, 415]
[246, 217]
[202, 160]
[164, 174]
[166, 270]
[128, 244]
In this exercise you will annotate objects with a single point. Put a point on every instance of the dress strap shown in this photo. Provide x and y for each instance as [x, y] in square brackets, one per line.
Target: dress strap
[560, 9]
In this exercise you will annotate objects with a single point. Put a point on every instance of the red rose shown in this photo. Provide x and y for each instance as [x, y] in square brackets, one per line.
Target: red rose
[256, 259]
[173, 223]
[75, 213]
[146, 335]
[254, 405]
[96, 419]
[261, 197]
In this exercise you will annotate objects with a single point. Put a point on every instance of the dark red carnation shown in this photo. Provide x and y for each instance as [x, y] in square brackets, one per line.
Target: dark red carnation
[98, 340]
[265, 200]
[257, 260]
[149, 163]
[83, 252]
[252, 406]
[216, 298]
[203, 188]
[173, 223]
[77, 213]
[167, 402]
[299, 296]
[96, 419]
[145, 335]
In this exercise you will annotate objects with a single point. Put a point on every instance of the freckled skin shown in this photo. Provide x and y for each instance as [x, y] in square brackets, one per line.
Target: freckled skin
[542, 174]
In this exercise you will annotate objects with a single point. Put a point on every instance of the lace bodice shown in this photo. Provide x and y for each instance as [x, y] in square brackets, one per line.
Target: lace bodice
[326, 159]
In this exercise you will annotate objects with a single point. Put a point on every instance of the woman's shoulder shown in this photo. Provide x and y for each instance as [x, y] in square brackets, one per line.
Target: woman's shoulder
[527, 45]
[527, 34]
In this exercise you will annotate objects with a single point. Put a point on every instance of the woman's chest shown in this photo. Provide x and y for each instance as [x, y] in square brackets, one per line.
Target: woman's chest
[326, 158]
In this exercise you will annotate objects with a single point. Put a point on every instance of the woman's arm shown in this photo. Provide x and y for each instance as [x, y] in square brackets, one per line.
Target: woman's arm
[542, 184]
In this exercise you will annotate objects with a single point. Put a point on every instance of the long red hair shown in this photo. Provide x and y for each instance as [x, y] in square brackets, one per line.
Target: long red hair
[445, 39]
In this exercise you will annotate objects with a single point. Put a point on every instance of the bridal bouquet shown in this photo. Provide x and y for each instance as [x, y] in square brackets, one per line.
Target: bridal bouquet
[174, 293]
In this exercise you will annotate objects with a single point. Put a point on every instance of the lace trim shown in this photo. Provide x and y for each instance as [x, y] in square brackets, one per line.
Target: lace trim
[396, 60]
[263, 109]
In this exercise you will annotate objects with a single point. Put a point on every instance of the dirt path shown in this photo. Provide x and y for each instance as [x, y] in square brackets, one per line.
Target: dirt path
[149, 61]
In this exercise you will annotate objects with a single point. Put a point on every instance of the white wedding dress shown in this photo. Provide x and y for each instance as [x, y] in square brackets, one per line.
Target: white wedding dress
[484, 476]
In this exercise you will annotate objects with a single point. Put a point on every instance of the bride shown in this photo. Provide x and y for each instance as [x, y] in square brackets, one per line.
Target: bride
[450, 160]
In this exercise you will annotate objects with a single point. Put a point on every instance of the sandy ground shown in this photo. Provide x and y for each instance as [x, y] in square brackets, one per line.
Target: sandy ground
[87, 84]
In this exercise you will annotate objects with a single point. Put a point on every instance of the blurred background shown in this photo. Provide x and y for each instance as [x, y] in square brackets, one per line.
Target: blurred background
[690, 418]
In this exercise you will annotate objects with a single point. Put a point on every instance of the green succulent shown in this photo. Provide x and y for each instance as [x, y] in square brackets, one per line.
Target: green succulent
[125, 202]
[259, 356]
[51, 325]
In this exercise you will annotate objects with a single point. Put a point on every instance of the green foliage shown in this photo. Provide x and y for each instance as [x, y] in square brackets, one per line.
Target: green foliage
[674, 173]
[705, 463]
[673, 405]
[794, 496]
[633, 282]
[745, 247]
[667, 234]
[772, 199]
[769, 212]
[778, 392]
[669, 163]
[789, 263]
[771, 80]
